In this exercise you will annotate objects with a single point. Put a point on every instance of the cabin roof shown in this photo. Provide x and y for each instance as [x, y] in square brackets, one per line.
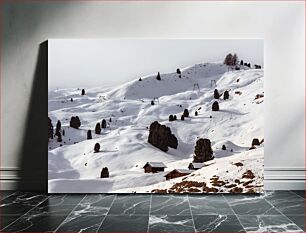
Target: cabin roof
[182, 171]
[197, 165]
[155, 164]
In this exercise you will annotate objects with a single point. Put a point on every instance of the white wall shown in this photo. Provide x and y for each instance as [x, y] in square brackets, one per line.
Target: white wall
[281, 24]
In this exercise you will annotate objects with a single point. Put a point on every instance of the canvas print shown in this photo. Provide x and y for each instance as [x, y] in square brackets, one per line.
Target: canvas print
[155, 116]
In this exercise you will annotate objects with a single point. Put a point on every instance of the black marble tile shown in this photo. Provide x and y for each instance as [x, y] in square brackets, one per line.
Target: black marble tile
[299, 220]
[286, 202]
[250, 205]
[167, 223]
[301, 193]
[170, 205]
[60, 205]
[35, 223]
[95, 204]
[130, 204]
[5, 194]
[81, 223]
[62, 199]
[7, 220]
[209, 205]
[20, 203]
[217, 223]
[127, 223]
[265, 223]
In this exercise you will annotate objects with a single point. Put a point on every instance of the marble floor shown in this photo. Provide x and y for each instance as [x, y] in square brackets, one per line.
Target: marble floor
[274, 211]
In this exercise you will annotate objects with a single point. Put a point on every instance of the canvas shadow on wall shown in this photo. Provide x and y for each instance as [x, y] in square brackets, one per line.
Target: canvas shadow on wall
[155, 116]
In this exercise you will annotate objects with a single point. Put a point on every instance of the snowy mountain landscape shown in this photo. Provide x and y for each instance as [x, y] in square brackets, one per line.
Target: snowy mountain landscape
[128, 111]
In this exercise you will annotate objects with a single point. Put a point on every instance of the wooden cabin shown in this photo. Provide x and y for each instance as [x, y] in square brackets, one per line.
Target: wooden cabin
[177, 173]
[154, 167]
[195, 166]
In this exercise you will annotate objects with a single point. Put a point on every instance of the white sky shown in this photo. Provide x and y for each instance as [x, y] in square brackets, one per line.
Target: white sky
[104, 62]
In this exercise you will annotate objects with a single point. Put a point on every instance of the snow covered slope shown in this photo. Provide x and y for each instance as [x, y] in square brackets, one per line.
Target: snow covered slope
[74, 167]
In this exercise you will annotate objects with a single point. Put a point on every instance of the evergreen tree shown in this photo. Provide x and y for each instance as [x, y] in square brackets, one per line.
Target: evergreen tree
[98, 128]
[178, 71]
[241, 62]
[50, 128]
[196, 113]
[63, 132]
[103, 126]
[228, 60]
[97, 147]
[158, 76]
[216, 94]
[182, 118]
[171, 118]
[58, 127]
[174, 117]
[110, 119]
[186, 113]
[59, 137]
[89, 136]
[223, 147]
[140, 79]
[215, 106]
[83, 91]
[71, 99]
[75, 122]
[152, 102]
[104, 173]
[235, 60]
[226, 95]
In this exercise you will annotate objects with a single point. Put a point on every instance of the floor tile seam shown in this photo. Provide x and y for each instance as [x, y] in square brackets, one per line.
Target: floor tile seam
[69, 213]
[192, 219]
[102, 221]
[25, 213]
[8, 196]
[283, 214]
[297, 194]
[243, 227]
[149, 213]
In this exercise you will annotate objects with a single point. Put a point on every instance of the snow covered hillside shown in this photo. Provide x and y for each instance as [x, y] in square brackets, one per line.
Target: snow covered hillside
[74, 167]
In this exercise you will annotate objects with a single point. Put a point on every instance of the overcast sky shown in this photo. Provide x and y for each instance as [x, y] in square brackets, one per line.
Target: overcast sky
[104, 62]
